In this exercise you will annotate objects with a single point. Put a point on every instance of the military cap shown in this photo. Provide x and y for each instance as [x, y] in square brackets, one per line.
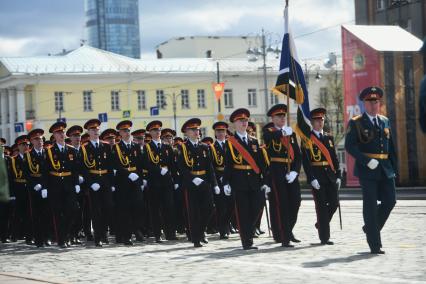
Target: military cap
[371, 94]
[74, 130]
[23, 139]
[268, 126]
[36, 133]
[2, 141]
[140, 133]
[193, 123]
[148, 138]
[318, 113]
[85, 138]
[123, 125]
[220, 125]
[251, 126]
[58, 126]
[168, 132]
[155, 124]
[7, 150]
[207, 140]
[108, 133]
[241, 113]
[92, 123]
[277, 109]
[177, 140]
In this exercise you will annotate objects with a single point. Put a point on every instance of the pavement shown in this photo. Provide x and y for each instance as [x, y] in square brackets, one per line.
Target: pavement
[223, 261]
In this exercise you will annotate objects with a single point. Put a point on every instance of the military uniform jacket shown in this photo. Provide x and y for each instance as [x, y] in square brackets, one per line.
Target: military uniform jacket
[243, 180]
[313, 155]
[195, 162]
[278, 153]
[218, 159]
[155, 159]
[362, 138]
[97, 163]
[36, 168]
[18, 178]
[127, 160]
[62, 167]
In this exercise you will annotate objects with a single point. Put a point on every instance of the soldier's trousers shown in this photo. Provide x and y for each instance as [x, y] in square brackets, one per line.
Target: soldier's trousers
[129, 197]
[326, 204]
[102, 208]
[375, 215]
[248, 207]
[161, 210]
[5, 212]
[200, 209]
[285, 202]
[41, 218]
[23, 225]
[224, 209]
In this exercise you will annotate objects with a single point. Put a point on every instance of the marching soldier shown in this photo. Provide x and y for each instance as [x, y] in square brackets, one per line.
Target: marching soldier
[36, 172]
[139, 137]
[285, 163]
[129, 192]
[198, 176]
[167, 135]
[98, 168]
[63, 184]
[109, 136]
[323, 173]
[224, 204]
[369, 141]
[244, 176]
[159, 161]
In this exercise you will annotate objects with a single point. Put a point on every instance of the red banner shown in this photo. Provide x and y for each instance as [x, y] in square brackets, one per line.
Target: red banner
[218, 89]
[361, 69]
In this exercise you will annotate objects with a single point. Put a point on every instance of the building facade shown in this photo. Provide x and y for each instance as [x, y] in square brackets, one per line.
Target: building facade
[113, 25]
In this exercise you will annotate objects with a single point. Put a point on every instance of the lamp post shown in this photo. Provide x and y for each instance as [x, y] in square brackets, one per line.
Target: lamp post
[253, 55]
[174, 99]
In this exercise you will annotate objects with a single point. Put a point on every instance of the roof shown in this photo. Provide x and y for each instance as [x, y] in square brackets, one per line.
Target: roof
[90, 60]
[385, 38]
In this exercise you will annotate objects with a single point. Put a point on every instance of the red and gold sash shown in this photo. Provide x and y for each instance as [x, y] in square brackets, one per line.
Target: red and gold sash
[323, 150]
[285, 141]
[246, 155]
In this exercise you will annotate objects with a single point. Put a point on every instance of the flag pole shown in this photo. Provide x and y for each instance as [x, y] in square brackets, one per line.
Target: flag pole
[287, 91]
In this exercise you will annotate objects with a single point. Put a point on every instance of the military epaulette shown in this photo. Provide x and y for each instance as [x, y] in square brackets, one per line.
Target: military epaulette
[104, 142]
[356, 117]
[382, 117]
[271, 129]
[85, 143]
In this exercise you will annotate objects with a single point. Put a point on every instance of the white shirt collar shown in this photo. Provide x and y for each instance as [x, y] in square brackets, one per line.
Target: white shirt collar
[243, 136]
[372, 117]
[127, 143]
[157, 142]
[221, 142]
[38, 151]
[60, 146]
[96, 141]
[193, 142]
[317, 133]
[21, 155]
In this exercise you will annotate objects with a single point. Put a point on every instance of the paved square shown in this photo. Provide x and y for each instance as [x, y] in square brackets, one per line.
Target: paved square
[348, 261]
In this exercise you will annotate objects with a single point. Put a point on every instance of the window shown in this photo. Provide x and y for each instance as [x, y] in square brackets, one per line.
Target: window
[229, 103]
[273, 99]
[59, 101]
[161, 99]
[115, 100]
[203, 131]
[141, 100]
[252, 102]
[87, 100]
[184, 99]
[323, 96]
[380, 4]
[201, 98]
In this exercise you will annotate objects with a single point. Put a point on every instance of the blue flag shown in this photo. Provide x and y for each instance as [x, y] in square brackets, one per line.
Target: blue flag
[291, 82]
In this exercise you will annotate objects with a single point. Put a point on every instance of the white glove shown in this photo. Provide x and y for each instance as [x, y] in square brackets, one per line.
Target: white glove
[142, 187]
[77, 188]
[221, 179]
[80, 179]
[291, 176]
[315, 184]
[197, 181]
[12, 198]
[164, 171]
[112, 188]
[144, 182]
[267, 190]
[373, 164]
[115, 171]
[216, 190]
[287, 130]
[227, 190]
[339, 183]
[176, 186]
[95, 186]
[37, 187]
[133, 176]
[44, 193]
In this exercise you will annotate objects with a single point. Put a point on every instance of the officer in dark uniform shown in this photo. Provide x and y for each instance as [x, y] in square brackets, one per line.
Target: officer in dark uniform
[285, 163]
[244, 176]
[63, 184]
[108, 136]
[369, 141]
[129, 166]
[159, 161]
[36, 172]
[322, 171]
[224, 204]
[98, 171]
[23, 221]
[195, 165]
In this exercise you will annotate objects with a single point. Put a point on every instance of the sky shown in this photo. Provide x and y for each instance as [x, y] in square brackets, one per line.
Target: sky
[39, 27]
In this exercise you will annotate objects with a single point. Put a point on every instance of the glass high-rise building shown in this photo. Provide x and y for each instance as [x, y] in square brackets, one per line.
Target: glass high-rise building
[113, 25]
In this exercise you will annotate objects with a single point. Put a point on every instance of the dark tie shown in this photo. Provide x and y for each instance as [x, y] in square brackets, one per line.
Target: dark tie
[195, 145]
[159, 146]
[128, 146]
[62, 150]
[223, 145]
[320, 136]
[375, 123]
[245, 140]
[96, 145]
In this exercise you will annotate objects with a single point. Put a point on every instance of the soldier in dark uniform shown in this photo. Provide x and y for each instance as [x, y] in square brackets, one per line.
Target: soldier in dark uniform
[323, 173]
[139, 137]
[369, 141]
[285, 163]
[5, 205]
[108, 136]
[224, 204]
[129, 172]
[98, 171]
[198, 178]
[158, 158]
[63, 184]
[36, 172]
[244, 176]
[83, 221]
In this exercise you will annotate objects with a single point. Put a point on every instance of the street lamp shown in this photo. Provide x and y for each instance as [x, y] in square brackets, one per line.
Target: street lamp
[253, 55]
[174, 99]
